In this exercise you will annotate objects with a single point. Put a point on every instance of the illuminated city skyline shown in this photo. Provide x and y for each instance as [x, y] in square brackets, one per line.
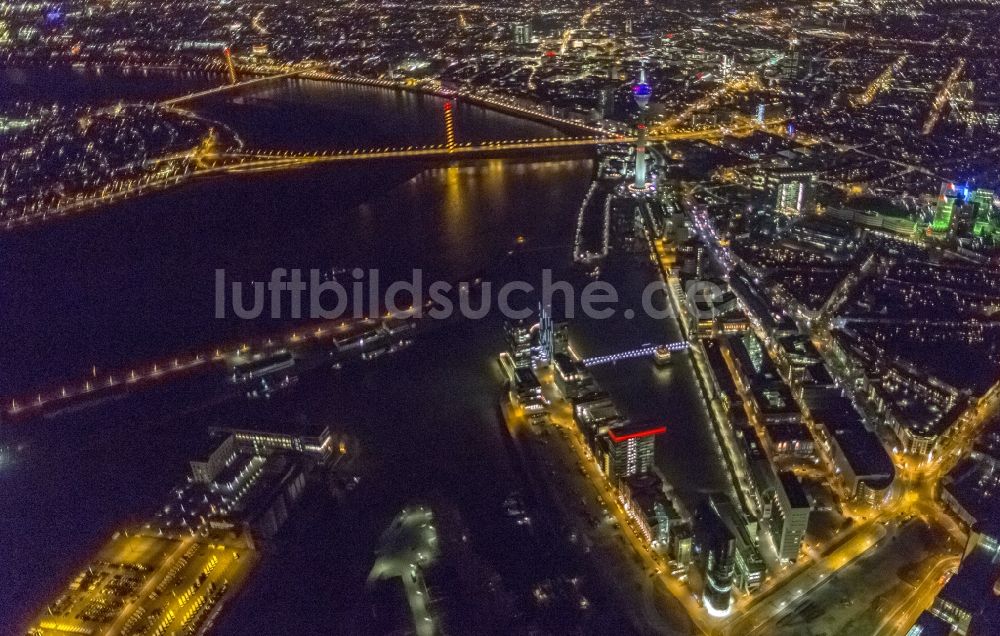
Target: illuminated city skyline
[784, 422]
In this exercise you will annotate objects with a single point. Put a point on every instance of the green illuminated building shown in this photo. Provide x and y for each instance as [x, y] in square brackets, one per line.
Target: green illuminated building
[983, 201]
[942, 216]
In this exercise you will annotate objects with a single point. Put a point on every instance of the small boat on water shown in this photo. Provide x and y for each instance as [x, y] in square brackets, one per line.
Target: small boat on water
[662, 356]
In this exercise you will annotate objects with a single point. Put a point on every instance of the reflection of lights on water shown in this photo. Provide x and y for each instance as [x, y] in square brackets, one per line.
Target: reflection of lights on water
[8, 455]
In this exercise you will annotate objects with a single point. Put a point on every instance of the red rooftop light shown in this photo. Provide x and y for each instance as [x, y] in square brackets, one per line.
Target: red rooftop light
[646, 433]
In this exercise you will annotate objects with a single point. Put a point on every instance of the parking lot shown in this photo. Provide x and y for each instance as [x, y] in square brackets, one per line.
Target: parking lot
[146, 583]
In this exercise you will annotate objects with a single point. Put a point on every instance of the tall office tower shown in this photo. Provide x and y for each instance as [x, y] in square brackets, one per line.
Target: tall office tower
[789, 516]
[790, 65]
[606, 100]
[519, 339]
[716, 548]
[749, 571]
[544, 332]
[982, 200]
[945, 208]
[726, 66]
[594, 417]
[522, 33]
[796, 194]
[640, 159]
[560, 338]
[630, 449]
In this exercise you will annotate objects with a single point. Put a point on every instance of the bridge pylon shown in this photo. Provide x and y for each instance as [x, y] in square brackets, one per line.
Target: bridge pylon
[207, 151]
[449, 126]
[229, 65]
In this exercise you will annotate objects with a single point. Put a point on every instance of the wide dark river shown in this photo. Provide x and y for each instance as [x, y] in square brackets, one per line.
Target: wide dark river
[135, 282]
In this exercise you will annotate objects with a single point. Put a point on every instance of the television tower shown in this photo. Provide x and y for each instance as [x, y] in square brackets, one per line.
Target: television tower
[641, 92]
[640, 158]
